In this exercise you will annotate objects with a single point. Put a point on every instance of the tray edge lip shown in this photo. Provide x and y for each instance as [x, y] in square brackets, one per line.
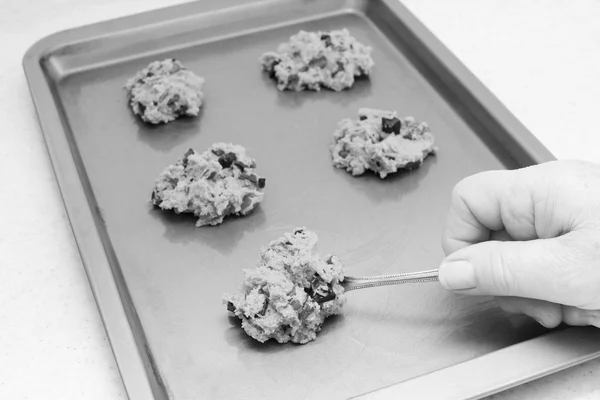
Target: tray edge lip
[492, 104]
[62, 38]
[49, 121]
[80, 33]
[425, 380]
[44, 47]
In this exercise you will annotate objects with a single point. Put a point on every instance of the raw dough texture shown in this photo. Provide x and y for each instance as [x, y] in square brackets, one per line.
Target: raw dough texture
[380, 142]
[312, 60]
[164, 91]
[278, 299]
[212, 185]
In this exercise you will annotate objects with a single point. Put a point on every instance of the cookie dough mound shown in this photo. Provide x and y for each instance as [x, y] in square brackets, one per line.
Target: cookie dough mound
[279, 299]
[380, 142]
[165, 91]
[212, 185]
[312, 60]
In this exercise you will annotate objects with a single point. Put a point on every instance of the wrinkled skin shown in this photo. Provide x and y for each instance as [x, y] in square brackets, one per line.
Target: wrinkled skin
[532, 237]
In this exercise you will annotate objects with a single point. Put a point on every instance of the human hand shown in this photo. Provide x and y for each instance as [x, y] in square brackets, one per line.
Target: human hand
[531, 238]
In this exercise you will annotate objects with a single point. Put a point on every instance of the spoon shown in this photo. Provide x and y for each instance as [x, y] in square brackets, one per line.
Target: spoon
[363, 282]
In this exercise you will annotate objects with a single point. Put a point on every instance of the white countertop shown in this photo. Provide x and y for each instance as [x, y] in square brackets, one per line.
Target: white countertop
[540, 57]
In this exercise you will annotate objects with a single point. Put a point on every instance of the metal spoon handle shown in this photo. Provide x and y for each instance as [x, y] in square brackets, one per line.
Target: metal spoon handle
[353, 283]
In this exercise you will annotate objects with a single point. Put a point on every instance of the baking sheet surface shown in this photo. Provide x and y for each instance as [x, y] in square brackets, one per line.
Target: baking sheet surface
[176, 273]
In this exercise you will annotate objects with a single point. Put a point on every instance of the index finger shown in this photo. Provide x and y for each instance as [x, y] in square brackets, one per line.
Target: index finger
[476, 209]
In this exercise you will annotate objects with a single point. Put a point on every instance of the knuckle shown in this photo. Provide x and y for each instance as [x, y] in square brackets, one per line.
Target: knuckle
[459, 190]
[470, 184]
[594, 318]
[502, 277]
[518, 213]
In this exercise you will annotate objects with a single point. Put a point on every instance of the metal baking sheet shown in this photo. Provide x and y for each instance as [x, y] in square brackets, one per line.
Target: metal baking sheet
[158, 280]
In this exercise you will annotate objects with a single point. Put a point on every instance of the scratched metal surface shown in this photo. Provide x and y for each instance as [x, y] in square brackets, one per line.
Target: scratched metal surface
[176, 273]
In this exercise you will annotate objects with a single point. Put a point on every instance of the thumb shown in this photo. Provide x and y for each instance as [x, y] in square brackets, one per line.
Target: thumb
[543, 269]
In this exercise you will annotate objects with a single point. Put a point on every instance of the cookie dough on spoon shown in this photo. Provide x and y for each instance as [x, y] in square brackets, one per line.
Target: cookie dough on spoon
[282, 298]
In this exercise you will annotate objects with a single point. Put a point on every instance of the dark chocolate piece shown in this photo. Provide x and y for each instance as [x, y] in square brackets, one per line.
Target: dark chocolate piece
[391, 125]
[264, 309]
[184, 161]
[173, 100]
[251, 178]
[227, 159]
[340, 68]
[240, 165]
[327, 39]
[173, 181]
[182, 109]
[320, 62]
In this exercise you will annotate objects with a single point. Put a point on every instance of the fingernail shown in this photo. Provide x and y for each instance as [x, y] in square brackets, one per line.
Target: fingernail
[457, 275]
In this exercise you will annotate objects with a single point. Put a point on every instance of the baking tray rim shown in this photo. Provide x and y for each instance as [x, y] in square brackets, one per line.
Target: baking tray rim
[134, 364]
